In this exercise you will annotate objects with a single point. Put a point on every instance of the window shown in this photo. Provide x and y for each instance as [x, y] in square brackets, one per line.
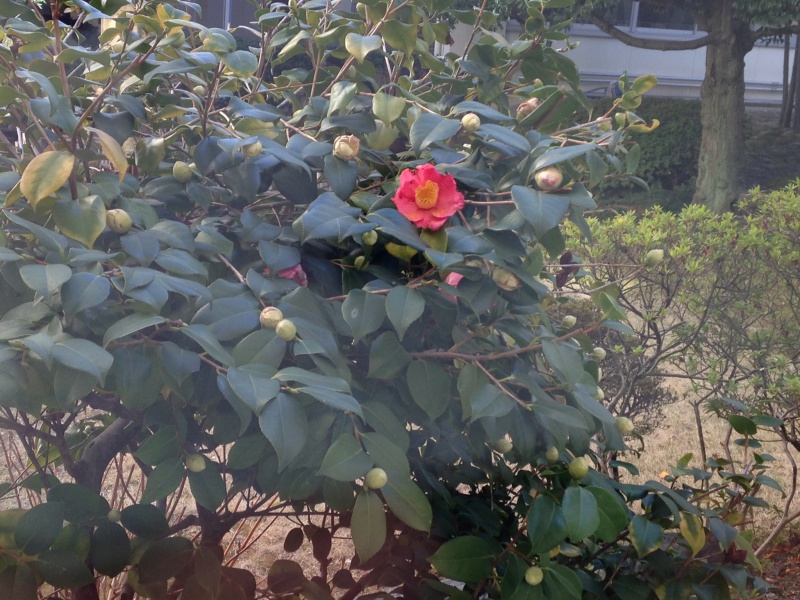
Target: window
[632, 16]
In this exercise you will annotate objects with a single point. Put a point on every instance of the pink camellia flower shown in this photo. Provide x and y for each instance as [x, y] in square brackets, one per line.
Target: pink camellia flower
[427, 198]
[296, 274]
[452, 279]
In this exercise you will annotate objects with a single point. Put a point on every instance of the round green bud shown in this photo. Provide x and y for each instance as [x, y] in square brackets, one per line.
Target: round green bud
[118, 220]
[114, 515]
[599, 394]
[369, 238]
[579, 468]
[182, 172]
[552, 454]
[270, 317]
[624, 425]
[253, 150]
[360, 262]
[375, 478]
[598, 353]
[470, 122]
[534, 576]
[503, 445]
[346, 147]
[568, 322]
[196, 463]
[286, 330]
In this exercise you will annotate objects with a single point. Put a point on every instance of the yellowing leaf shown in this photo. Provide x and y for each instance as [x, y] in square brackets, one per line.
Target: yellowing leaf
[693, 532]
[46, 174]
[83, 219]
[643, 127]
[113, 151]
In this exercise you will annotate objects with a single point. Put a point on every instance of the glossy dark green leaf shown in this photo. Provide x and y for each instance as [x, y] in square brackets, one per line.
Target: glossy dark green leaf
[164, 479]
[111, 549]
[547, 527]
[80, 504]
[283, 422]
[368, 525]
[467, 558]
[363, 312]
[645, 535]
[145, 520]
[430, 386]
[345, 460]
[82, 291]
[62, 568]
[39, 527]
[407, 502]
[404, 306]
[612, 513]
[387, 357]
[543, 211]
[580, 513]
[208, 487]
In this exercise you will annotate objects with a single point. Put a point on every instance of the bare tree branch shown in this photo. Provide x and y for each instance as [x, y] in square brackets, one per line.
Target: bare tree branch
[649, 44]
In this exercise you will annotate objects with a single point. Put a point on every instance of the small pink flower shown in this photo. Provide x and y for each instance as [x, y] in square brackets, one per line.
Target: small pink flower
[452, 279]
[296, 274]
[427, 198]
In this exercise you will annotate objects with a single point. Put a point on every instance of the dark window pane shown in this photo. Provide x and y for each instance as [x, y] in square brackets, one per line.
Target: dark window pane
[664, 18]
[619, 15]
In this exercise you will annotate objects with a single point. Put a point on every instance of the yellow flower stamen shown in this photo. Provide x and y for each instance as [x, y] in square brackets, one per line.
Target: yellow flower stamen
[427, 195]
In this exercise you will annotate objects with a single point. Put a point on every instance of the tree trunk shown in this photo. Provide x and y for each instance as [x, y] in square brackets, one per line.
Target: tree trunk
[722, 107]
[791, 94]
[794, 101]
[786, 95]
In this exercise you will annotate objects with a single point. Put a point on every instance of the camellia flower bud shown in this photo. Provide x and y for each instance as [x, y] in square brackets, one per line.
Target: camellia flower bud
[579, 468]
[369, 238]
[270, 317]
[286, 330]
[653, 258]
[624, 425]
[346, 147]
[548, 179]
[552, 454]
[527, 107]
[118, 220]
[375, 478]
[505, 279]
[598, 353]
[470, 122]
[182, 171]
[568, 322]
[503, 445]
[253, 150]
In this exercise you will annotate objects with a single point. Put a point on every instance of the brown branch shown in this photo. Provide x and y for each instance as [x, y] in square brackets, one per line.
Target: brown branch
[648, 44]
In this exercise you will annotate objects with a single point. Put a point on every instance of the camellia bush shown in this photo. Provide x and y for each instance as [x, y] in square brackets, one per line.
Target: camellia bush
[314, 277]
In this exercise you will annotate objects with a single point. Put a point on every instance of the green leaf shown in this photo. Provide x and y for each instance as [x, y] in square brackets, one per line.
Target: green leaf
[400, 36]
[254, 385]
[542, 211]
[83, 219]
[429, 129]
[345, 460]
[387, 108]
[743, 425]
[368, 525]
[561, 582]
[332, 398]
[386, 453]
[18, 582]
[203, 336]
[47, 238]
[404, 306]
[430, 387]
[39, 527]
[387, 358]
[407, 502]
[113, 152]
[692, 531]
[552, 157]
[547, 527]
[165, 559]
[45, 280]
[83, 355]
[613, 515]
[81, 504]
[580, 513]
[208, 487]
[63, 569]
[241, 63]
[145, 520]
[283, 422]
[645, 535]
[159, 446]
[467, 558]
[45, 174]
[341, 175]
[363, 312]
[342, 93]
[361, 45]
[164, 479]
[130, 325]
[111, 549]
[82, 291]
